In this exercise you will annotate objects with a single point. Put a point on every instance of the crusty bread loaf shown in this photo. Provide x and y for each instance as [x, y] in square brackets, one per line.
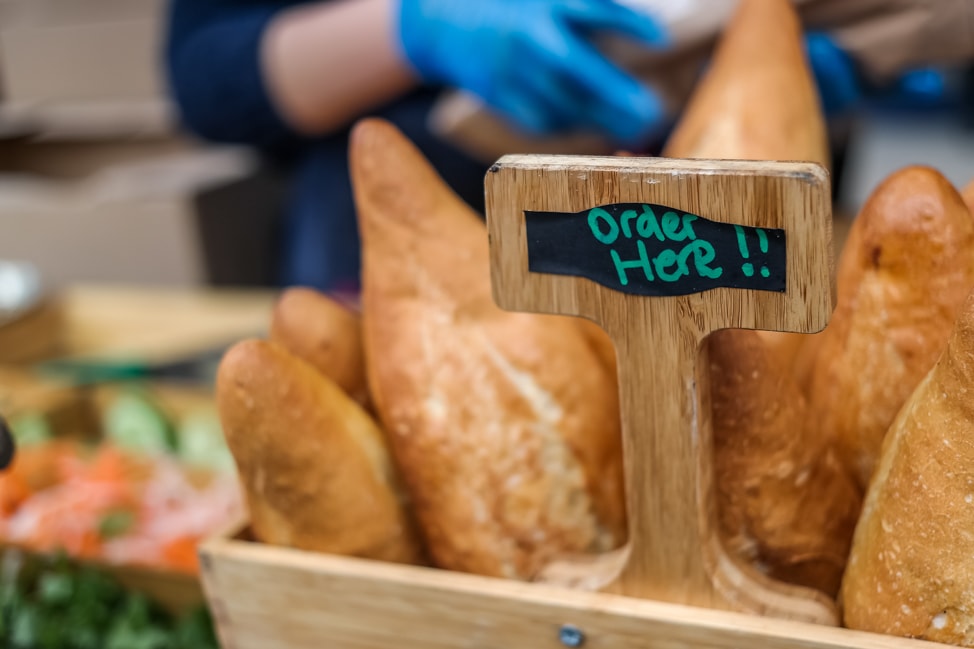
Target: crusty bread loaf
[758, 101]
[904, 273]
[601, 344]
[911, 571]
[314, 467]
[505, 425]
[323, 333]
[785, 503]
[969, 196]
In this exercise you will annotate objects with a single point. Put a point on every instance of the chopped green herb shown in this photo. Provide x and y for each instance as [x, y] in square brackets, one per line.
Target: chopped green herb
[116, 523]
[58, 605]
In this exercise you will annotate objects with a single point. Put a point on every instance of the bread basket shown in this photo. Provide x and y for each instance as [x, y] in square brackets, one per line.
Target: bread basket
[675, 589]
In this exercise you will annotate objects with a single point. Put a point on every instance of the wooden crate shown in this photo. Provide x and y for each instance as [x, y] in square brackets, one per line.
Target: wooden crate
[36, 333]
[64, 408]
[263, 596]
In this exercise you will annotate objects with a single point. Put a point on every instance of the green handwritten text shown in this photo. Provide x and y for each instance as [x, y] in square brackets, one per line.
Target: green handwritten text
[668, 265]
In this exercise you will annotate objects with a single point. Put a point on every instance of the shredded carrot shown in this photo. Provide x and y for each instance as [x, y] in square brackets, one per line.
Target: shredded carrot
[63, 497]
[14, 490]
[180, 555]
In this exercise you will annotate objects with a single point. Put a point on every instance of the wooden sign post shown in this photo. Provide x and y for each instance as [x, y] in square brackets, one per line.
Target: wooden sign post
[661, 253]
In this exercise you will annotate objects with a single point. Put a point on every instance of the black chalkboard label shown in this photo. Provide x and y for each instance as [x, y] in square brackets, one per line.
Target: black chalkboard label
[655, 250]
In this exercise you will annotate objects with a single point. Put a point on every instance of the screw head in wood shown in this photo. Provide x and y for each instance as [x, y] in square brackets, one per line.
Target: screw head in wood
[571, 636]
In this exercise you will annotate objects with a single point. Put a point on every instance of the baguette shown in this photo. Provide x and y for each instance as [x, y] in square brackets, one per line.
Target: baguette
[902, 278]
[911, 571]
[323, 333]
[506, 425]
[314, 467]
[758, 101]
[785, 503]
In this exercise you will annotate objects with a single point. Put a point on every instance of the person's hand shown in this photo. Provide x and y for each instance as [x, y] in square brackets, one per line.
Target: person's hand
[534, 61]
[835, 73]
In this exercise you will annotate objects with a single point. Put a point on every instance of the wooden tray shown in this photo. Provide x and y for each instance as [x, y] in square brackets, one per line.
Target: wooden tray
[263, 596]
[75, 412]
[671, 590]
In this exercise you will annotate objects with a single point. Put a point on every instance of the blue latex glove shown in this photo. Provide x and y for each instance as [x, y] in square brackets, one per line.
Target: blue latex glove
[835, 73]
[533, 61]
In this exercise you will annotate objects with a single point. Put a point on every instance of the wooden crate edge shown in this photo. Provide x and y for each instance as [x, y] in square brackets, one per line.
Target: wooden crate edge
[269, 596]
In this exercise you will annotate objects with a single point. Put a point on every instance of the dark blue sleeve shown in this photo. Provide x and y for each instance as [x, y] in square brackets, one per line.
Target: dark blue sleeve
[214, 70]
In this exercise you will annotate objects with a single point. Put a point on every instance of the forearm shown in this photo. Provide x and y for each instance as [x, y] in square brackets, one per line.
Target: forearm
[327, 63]
[214, 70]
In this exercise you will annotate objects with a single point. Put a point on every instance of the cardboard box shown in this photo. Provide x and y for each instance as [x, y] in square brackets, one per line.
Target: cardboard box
[51, 13]
[88, 120]
[11, 11]
[81, 50]
[97, 61]
[110, 212]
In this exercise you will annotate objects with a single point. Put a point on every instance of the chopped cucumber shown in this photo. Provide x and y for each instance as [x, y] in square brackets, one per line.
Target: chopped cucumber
[201, 442]
[135, 422]
[31, 428]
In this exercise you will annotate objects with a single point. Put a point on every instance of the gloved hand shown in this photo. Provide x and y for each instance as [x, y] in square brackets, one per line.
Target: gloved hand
[533, 61]
[835, 72]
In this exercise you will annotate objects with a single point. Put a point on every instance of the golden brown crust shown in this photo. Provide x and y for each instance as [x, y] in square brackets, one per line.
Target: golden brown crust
[968, 194]
[506, 425]
[313, 465]
[602, 345]
[911, 572]
[323, 333]
[786, 347]
[758, 101]
[902, 279]
[785, 503]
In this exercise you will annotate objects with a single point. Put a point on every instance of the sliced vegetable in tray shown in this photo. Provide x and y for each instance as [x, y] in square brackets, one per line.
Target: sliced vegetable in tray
[54, 604]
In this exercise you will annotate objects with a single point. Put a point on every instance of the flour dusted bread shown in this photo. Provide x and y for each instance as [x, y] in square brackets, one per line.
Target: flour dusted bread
[314, 468]
[902, 278]
[323, 333]
[505, 425]
[785, 503]
[911, 571]
[758, 100]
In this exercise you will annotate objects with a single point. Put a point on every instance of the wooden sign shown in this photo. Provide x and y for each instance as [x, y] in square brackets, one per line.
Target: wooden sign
[661, 253]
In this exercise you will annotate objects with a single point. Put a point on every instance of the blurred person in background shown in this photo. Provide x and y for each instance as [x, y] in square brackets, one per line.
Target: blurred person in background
[291, 76]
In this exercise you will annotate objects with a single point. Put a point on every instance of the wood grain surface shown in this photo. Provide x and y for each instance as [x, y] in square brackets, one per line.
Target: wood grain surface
[264, 596]
[674, 551]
